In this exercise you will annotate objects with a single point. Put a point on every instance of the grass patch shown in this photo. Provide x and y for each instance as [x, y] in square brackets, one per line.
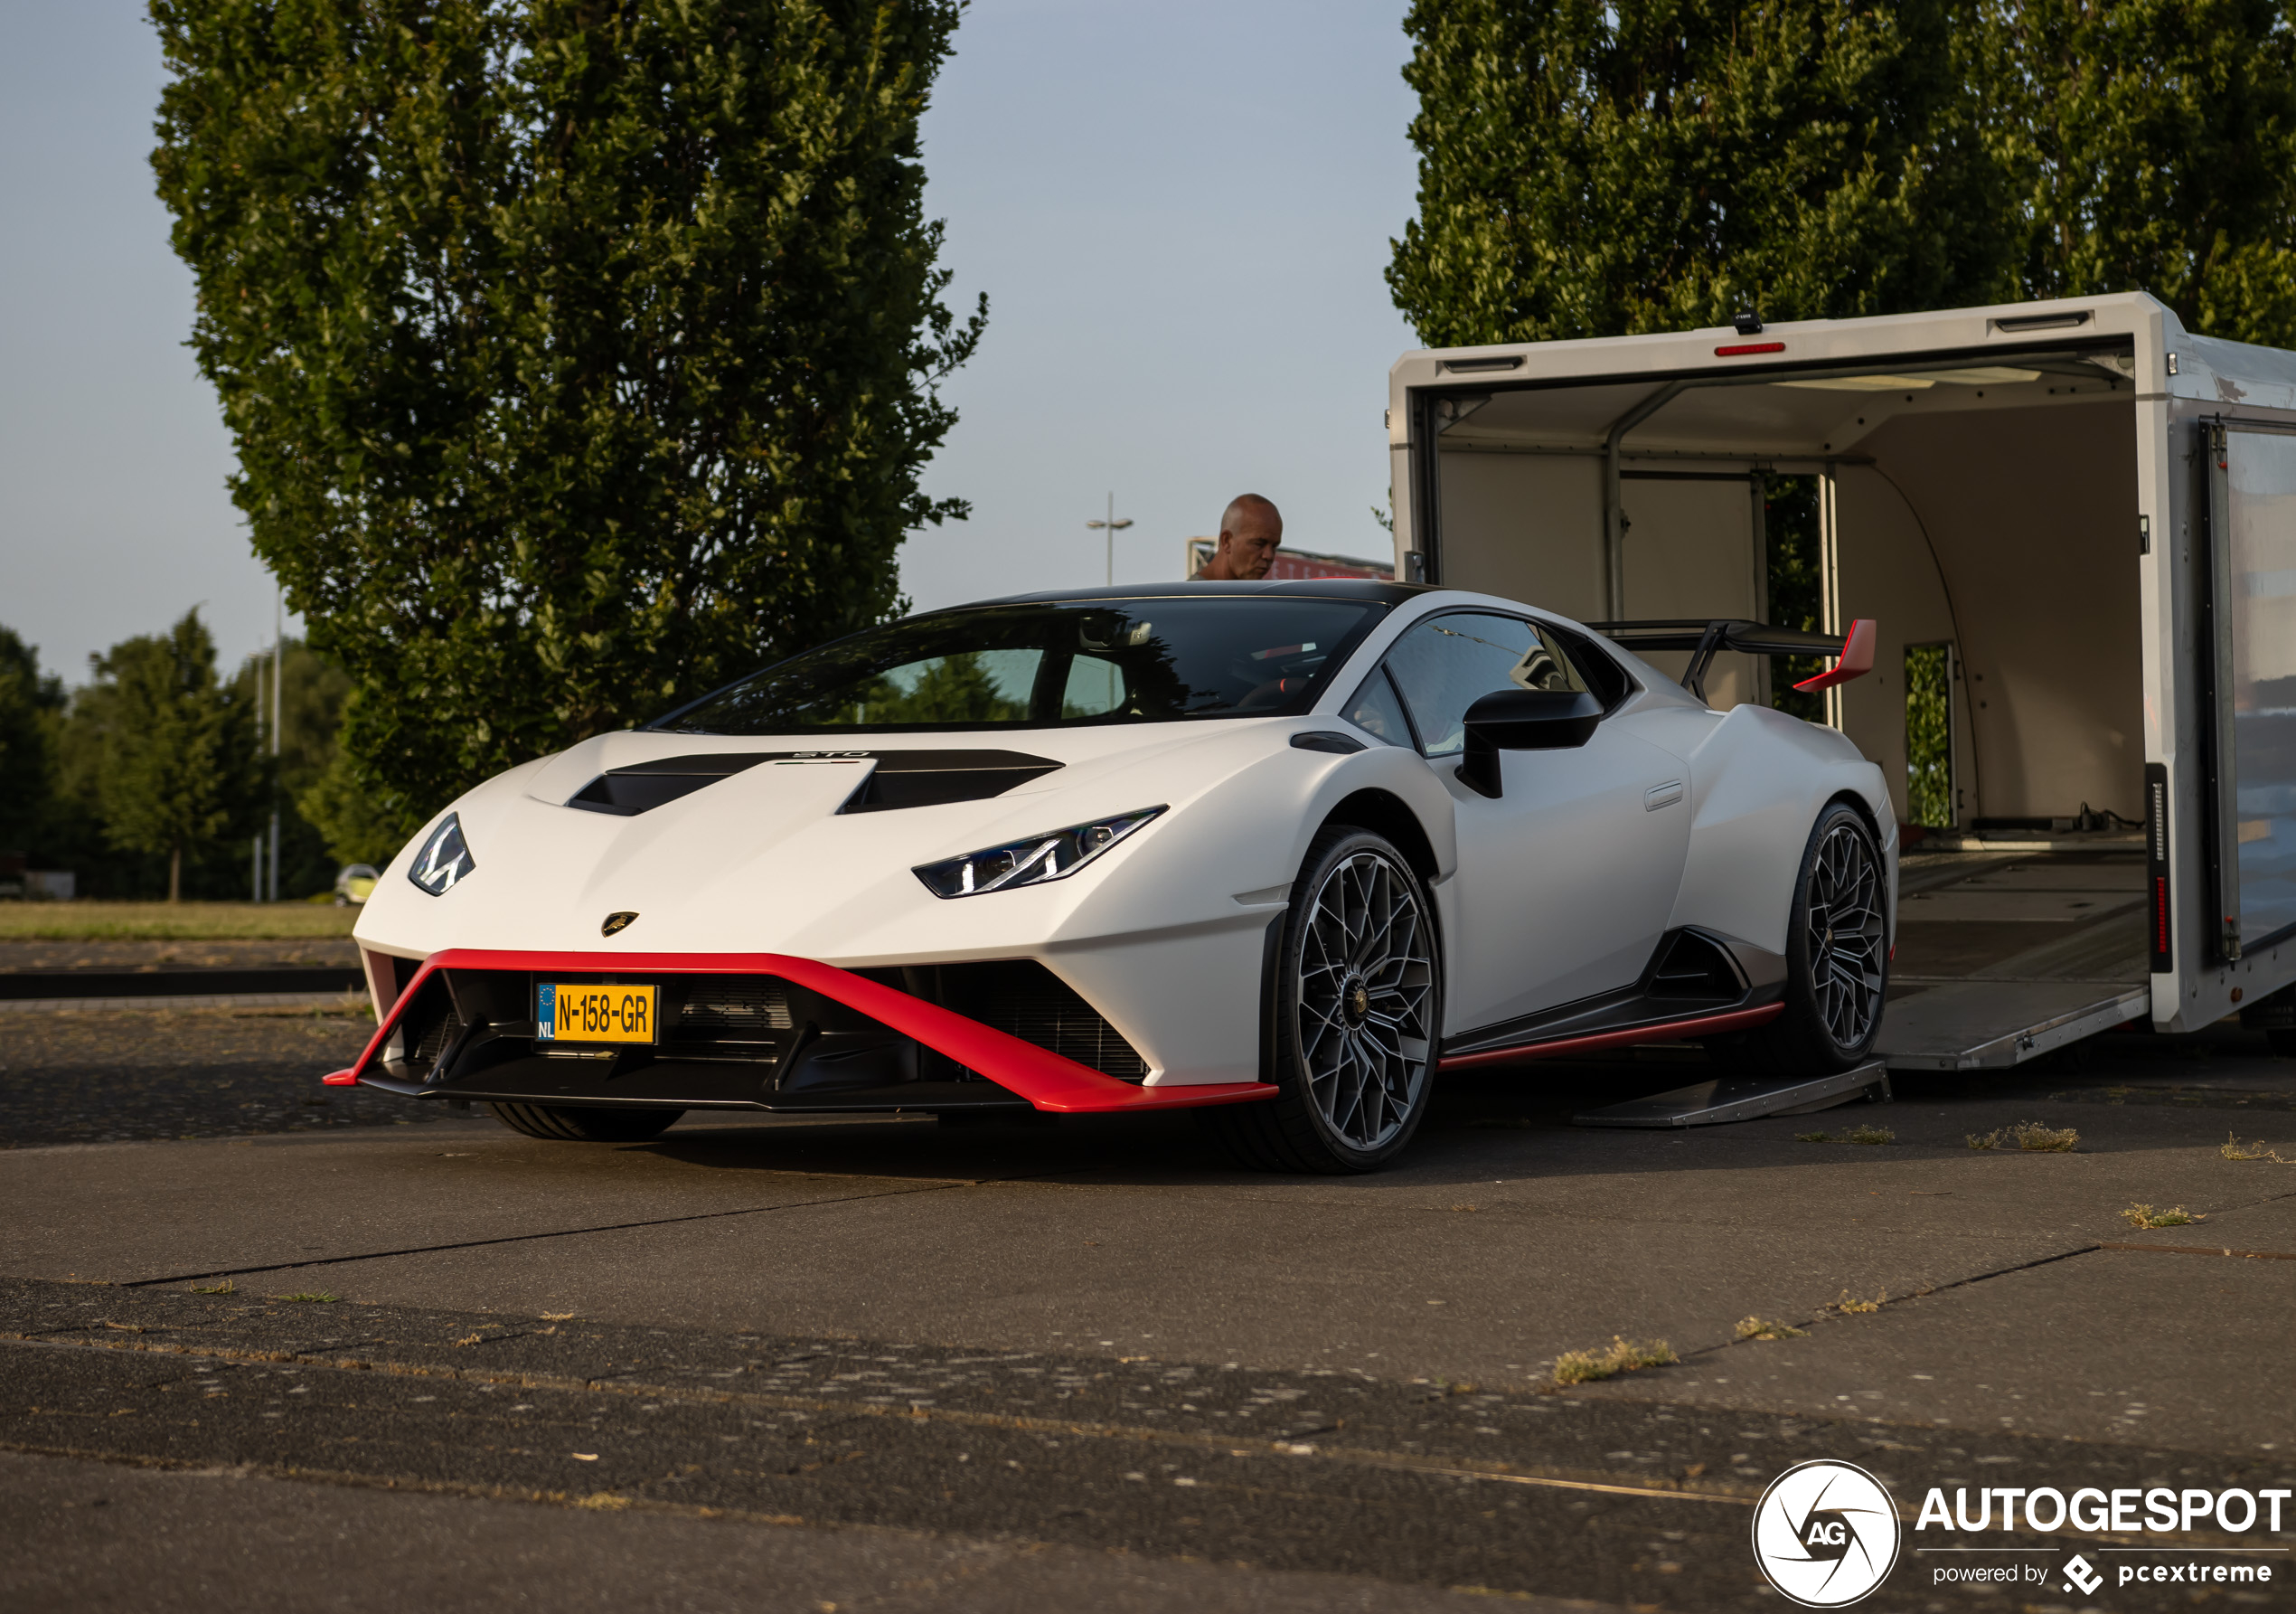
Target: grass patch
[173, 921]
[225, 1288]
[2144, 1215]
[316, 1297]
[1861, 1132]
[2030, 1137]
[2233, 1149]
[1621, 1355]
[1851, 1305]
[1768, 1328]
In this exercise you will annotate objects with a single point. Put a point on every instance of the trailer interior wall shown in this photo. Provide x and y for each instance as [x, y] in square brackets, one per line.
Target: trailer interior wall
[1998, 519]
[2029, 514]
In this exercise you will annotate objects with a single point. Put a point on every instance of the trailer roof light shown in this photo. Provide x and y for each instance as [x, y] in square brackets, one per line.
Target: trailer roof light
[1863, 384]
[2043, 322]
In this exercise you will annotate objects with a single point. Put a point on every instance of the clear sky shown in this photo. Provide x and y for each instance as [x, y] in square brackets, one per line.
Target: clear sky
[1179, 212]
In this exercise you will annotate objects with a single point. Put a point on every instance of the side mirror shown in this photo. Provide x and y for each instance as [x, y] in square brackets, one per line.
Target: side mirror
[1523, 719]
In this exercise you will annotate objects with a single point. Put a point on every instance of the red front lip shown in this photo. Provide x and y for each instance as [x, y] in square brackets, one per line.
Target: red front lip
[1042, 1077]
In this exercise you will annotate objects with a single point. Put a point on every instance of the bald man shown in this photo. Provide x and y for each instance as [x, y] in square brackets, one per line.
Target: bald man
[1249, 534]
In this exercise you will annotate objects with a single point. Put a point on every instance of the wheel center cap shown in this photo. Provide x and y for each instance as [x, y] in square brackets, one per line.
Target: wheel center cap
[1357, 999]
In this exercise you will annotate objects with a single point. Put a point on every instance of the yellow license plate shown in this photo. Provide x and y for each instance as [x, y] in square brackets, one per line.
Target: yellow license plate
[571, 1012]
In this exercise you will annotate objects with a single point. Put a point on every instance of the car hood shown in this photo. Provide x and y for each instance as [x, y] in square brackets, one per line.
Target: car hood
[776, 845]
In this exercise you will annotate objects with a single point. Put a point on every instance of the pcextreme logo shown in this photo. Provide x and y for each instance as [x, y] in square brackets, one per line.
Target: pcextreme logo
[1825, 1533]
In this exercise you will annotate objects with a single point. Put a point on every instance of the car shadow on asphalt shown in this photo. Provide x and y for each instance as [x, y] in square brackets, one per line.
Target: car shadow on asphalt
[1519, 1122]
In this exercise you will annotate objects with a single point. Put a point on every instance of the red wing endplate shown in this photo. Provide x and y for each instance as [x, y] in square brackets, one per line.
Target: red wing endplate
[1856, 661]
[1045, 1079]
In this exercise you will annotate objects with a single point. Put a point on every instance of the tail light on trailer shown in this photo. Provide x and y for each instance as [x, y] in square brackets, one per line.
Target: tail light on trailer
[2156, 860]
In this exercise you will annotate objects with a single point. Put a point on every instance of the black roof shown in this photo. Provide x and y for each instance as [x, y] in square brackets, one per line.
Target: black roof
[1313, 588]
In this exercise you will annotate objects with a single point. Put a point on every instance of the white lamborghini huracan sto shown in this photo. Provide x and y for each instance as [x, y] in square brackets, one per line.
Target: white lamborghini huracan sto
[1280, 852]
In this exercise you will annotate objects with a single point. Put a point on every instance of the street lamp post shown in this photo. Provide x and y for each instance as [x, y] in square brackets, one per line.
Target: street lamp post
[1112, 527]
[278, 715]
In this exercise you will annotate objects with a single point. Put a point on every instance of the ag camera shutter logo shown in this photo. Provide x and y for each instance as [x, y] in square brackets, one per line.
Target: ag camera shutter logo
[1825, 1533]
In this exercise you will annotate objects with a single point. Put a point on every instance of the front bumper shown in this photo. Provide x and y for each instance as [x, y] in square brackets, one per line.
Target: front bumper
[803, 1035]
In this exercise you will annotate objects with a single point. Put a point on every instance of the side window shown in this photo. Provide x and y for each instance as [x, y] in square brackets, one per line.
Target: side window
[1376, 711]
[1596, 665]
[1444, 664]
[1096, 687]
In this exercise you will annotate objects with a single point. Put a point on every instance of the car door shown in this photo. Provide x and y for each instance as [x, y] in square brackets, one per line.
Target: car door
[1566, 881]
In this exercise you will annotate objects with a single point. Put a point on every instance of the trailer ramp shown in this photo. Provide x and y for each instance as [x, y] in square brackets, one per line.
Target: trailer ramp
[2005, 955]
[1744, 1099]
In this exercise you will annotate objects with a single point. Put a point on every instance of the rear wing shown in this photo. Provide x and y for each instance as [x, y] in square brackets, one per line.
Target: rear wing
[1853, 652]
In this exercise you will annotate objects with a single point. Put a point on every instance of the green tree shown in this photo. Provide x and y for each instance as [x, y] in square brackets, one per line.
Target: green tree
[176, 765]
[577, 355]
[1592, 170]
[30, 707]
[2153, 145]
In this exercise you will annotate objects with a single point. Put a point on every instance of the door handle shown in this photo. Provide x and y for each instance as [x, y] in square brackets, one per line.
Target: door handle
[1661, 796]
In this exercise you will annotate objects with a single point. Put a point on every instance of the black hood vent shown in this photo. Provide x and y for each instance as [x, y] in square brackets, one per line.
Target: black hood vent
[930, 778]
[904, 778]
[625, 792]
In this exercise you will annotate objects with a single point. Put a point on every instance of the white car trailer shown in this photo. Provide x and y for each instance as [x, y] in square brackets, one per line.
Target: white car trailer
[2089, 510]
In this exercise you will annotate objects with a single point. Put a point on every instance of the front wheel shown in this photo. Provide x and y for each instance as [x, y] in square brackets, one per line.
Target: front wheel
[564, 1123]
[1358, 1010]
[1837, 953]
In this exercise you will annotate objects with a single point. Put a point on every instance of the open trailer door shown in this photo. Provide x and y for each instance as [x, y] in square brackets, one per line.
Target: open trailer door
[2103, 818]
[2250, 468]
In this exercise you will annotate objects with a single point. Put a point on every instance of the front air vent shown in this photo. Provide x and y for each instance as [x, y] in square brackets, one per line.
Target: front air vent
[1024, 999]
[936, 777]
[732, 1008]
[438, 1036]
[641, 787]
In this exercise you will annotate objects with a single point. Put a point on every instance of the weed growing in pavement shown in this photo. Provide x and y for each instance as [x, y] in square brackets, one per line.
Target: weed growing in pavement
[2028, 1135]
[1621, 1355]
[2235, 1149]
[225, 1288]
[1852, 1306]
[1860, 1133]
[317, 1297]
[1765, 1328]
[2144, 1215]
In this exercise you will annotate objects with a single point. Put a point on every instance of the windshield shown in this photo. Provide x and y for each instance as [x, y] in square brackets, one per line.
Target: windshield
[1151, 660]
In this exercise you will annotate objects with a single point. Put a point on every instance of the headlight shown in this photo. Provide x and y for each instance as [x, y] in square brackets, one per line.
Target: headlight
[443, 858]
[1054, 856]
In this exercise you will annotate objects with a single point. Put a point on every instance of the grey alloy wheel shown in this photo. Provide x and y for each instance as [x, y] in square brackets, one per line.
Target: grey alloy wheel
[1365, 989]
[1845, 934]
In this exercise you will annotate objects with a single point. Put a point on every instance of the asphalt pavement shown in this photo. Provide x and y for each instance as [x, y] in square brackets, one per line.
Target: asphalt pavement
[881, 1363]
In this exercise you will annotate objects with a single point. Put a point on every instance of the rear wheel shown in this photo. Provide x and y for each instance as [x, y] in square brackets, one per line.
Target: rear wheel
[1837, 954]
[1359, 1004]
[570, 1124]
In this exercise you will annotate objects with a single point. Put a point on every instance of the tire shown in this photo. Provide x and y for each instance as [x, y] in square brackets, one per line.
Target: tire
[1358, 1012]
[1837, 954]
[570, 1124]
[2281, 1043]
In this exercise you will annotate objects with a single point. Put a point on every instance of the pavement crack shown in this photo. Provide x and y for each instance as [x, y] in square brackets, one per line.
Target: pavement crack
[562, 1232]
